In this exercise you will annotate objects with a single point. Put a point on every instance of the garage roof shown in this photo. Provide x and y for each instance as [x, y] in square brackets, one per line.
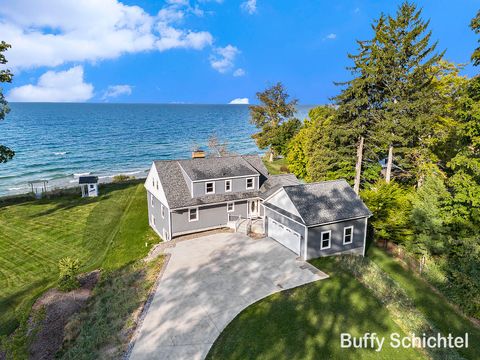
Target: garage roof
[327, 201]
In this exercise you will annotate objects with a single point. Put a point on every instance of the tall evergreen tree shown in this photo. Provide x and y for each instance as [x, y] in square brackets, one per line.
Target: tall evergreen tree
[5, 76]
[390, 100]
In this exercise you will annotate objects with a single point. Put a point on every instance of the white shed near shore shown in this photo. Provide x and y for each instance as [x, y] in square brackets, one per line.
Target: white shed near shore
[39, 187]
[89, 185]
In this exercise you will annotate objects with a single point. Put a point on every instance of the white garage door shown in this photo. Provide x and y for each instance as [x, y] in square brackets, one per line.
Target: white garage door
[284, 235]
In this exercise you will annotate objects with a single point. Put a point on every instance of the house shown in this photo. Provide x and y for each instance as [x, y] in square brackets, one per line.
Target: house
[312, 220]
[89, 185]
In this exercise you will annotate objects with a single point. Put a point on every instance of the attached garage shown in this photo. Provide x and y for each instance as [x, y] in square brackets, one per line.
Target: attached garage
[317, 219]
[284, 235]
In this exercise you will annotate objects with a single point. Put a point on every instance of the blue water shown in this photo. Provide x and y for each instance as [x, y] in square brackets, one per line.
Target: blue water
[58, 142]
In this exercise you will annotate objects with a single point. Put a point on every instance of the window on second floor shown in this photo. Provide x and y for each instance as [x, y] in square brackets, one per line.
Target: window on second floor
[228, 185]
[210, 188]
[250, 183]
[162, 211]
[151, 201]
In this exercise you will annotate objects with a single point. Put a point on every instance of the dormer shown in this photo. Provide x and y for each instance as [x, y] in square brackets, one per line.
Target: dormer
[224, 175]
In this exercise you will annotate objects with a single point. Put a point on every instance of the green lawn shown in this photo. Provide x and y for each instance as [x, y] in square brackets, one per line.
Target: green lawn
[306, 323]
[438, 311]
[277, 166]
[108, 231]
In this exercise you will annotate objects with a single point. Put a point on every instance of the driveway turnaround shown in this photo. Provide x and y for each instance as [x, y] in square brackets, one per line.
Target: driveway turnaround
[206, 283]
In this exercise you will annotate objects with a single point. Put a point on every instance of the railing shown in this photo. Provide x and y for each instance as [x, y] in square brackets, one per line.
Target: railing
[237, 219]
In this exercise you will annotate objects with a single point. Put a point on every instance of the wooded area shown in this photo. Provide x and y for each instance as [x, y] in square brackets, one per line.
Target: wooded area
[417, 120]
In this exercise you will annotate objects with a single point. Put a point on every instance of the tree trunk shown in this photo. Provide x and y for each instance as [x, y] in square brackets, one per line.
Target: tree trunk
[271, 155]
[388, 174]
[358, 167]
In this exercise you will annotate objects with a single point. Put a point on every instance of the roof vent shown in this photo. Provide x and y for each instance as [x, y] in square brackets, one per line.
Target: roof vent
[198, 154]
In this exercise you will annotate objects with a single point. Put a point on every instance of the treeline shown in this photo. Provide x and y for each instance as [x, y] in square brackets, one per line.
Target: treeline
[405, 100]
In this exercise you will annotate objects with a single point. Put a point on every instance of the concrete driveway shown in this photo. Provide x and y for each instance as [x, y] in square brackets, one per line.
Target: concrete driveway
[206, 283]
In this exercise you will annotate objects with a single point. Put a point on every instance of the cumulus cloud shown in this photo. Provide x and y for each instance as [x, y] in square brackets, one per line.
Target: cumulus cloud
[243, 101]
[55, 86]
[223, 59]
[239, 72]
[114, 91]
[331, 36]
[55, 32]
[249, 6]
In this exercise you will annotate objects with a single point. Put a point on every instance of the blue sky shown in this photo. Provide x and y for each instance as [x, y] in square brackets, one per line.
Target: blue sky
[204, 51]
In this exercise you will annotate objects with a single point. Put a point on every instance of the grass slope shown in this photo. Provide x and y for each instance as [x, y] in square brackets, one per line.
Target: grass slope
[433, 306]
[277, 166]
[306, 323]
[37, 234]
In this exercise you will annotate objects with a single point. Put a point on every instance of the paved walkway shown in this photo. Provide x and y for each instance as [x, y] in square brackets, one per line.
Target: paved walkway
[206, 283]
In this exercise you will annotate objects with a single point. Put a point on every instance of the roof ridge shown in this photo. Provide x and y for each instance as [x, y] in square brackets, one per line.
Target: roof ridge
[319, 182]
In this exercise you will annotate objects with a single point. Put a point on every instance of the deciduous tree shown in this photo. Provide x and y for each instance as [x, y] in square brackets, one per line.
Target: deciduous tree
[5, 76]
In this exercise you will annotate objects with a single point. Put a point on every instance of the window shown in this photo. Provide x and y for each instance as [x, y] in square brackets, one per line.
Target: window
[92, 186]
[230, 207]
[228, 185]
[347, 235]
[193, 214]
[162, 208]
[157, 185]
[165, 235]
[250, 183]
[151, 201]
[210, 188]
[325, 240]
[153, 182]
[153, 220]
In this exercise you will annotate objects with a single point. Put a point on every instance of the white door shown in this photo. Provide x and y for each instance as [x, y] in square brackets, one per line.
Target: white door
[284, 235]
[253, 211]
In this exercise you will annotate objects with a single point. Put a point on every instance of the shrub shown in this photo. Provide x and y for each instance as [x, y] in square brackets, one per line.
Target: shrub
[122, 178]
[284, 168]
[68, 269]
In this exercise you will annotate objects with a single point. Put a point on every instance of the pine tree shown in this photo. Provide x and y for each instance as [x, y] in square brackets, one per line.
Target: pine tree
[390, 100]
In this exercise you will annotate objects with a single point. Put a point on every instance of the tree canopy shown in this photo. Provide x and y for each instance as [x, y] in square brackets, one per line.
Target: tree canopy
[5, 76]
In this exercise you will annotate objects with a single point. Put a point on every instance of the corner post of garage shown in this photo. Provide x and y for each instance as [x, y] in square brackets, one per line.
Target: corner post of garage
[305, 252]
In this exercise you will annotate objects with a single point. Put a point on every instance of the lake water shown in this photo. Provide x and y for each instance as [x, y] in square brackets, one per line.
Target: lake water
[59, 142]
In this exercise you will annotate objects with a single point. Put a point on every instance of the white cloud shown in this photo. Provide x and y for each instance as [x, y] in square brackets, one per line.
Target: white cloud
[331, 36]
[250, 6]
[237, 101]
[239, 72]
[114, 91]
[357, 10]
[55, 32]
[223, 59]
[55, 86]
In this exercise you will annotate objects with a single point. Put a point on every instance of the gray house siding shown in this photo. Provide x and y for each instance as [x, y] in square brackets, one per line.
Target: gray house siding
[337, 246]
[298, 228]
[155, 212]
[208, 217]
[238, 184]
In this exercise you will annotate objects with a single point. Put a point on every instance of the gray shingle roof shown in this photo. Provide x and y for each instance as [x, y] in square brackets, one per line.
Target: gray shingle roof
[178, 195]
[275, 182]
[88, 179]
[324, 202]
[216, 168]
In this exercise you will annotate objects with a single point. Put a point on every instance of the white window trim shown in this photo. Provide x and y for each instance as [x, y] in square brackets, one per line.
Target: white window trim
[329, 232]
[210, 182]
[253, 183]
[165, 234]
[162, 211]
[233, 206]
[345, 234]
[151, 201]
[153, 221]
[189, 217]
[230, 183]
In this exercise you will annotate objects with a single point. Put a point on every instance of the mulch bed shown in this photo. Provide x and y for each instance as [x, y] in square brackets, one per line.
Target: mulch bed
[51, 312]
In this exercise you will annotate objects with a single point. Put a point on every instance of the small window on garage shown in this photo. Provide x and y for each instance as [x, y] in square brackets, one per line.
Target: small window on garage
[210, 188]
[325, 239]
[230, 207]
[163, 211]
[347, 235]
[250, 183]
[193, 214]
